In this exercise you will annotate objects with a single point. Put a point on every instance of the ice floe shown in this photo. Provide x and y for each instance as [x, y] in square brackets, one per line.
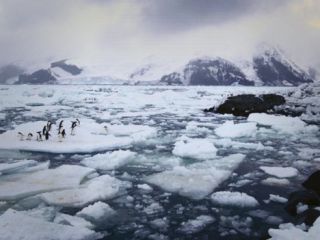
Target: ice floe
[231, 130]
[97, 213]
[26, 184]
[289, 232]
[197, 148]
[196, 225]
[236, 199]
[18, 225]
[99, 188]
[284, 124]
[7, 168]
[280, 172]
[196, 180]
[109, 160]
[88, 137]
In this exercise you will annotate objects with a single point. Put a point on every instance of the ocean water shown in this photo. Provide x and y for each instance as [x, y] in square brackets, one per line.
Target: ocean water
[185, 180]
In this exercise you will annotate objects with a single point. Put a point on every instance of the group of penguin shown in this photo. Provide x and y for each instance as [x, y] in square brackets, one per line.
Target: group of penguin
[45, 133]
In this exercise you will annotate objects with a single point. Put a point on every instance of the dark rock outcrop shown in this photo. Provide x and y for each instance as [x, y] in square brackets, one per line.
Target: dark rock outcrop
[42, 76]
[313, 182]
[303, 196]
[70, 68]
[171, 79]
[243, 105]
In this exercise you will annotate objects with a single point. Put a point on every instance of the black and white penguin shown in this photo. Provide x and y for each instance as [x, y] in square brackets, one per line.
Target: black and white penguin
[29, 137]
[73, 125]
[47, 134]
[44, 130]
[39, 136]
[61, 124]
[62, 135]
[21, 135]
[78, 121]
[106, 128]
[49, 123]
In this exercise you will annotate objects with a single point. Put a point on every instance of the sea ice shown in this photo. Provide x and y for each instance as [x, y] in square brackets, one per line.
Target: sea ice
[6, 168]
[97, 213]
[196, 225]
[109, 160]
[289, 125]
[197, 148]
[100, 188]
[275, 181]
[18, 225]
[75, 221]
[280, 172]
[26, 184]
[196, 180]
[231, 130]
[88, 137]
[289, 232]
[236, 199]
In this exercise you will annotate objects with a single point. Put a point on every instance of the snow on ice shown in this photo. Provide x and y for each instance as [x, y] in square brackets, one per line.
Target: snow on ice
[236, 199]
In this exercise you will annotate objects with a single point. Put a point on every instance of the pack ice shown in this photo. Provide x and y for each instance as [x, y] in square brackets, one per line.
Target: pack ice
[88, 137]
[197, 180]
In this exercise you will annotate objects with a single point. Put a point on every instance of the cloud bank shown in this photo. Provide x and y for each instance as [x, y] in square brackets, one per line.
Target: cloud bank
[117, 31]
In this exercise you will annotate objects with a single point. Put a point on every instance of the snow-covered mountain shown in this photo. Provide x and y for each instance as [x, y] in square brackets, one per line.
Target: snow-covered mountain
[268, 67]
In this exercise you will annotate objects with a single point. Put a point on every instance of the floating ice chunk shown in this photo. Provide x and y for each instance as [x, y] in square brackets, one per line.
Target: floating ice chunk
[26, 184]
[153, 208]
[236, 199]
[6, 168]
[161, 224]
[75, 221]
[86, 139]
[38, 167]
[289, 125]
[197, 148]
[275, 220]
[196, 225]
[100, 188]
[145, 187]
[97, 213]
[227, 142]
[231, 130]
[289, 232]
[275, 182]
[46, 213]
[280, 172]
[277, 198]
[242, 225]
[38, 229]
[109, 160]
[192, 127]
[197, 180]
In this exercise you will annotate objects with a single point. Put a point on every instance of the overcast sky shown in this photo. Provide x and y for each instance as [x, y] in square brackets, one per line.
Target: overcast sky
[119, 30]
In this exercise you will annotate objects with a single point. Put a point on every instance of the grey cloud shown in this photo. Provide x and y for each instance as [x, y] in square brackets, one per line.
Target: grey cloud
[179, 15]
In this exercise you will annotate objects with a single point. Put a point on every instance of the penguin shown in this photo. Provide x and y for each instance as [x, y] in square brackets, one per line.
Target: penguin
[61, 135]
[44, 129]
[78, 121]
[49, 123]
[47, 134]
[73, 125]
[21, 135]
[39, 136]
[60, 124]
[30, 135]
[106, 128]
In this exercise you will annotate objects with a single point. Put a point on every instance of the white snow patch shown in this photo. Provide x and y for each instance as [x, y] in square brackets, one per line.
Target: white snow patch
[275, 181]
